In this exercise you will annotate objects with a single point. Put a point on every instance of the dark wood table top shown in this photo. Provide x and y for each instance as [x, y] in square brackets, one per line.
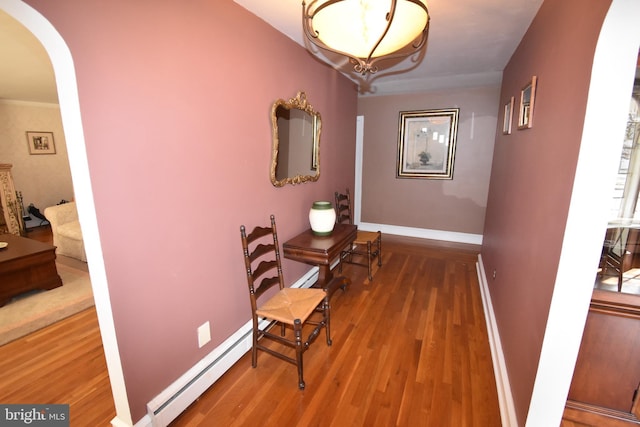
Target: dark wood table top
[20, 247]
[311, 249]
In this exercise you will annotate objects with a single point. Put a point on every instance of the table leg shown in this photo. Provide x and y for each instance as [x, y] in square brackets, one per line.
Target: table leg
[339, 282]
[324, 275]
[328, 282]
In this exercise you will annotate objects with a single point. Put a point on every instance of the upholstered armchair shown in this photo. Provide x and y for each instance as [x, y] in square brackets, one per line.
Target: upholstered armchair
[67, 235]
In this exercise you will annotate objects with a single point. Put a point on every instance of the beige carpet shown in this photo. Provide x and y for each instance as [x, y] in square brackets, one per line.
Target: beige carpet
[27, 314]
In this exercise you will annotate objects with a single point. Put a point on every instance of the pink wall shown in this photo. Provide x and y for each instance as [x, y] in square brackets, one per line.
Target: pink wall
[532, 178]
[175, 99]
[456, 205]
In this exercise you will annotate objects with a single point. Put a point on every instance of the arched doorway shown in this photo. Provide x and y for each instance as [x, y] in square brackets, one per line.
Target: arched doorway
[608, 101]
[62, 62]
[606, 379]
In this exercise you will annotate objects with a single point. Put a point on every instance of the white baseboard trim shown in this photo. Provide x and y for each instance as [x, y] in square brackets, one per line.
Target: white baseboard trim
[423, 233]
[172, 401]
[505, 398]
[117, 422]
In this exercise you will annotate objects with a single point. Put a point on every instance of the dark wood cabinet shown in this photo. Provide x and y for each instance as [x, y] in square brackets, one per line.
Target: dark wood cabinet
[604, 389]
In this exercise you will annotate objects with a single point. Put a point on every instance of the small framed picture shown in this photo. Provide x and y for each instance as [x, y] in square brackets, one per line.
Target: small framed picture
[508, 117]
[41, 143]
[527, 99]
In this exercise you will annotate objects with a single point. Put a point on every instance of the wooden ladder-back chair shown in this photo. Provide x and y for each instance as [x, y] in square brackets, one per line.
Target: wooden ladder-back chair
[293, 307]
[368, 244]
[618, 250]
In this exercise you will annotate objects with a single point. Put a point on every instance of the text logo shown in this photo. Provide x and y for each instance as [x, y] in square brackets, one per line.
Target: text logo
[34, 415]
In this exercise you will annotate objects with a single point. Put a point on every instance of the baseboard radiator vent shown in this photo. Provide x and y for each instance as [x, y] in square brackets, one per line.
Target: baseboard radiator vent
[172, 401]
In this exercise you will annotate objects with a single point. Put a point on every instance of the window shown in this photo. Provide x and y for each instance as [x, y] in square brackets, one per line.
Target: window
[625, 193]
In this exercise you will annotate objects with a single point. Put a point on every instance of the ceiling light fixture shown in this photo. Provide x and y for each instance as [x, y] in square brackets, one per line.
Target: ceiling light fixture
[367, 31]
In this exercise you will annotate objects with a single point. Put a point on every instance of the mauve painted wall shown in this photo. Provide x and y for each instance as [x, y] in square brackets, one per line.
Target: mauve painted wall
[532, 179]
[456, 205]
[175, 99]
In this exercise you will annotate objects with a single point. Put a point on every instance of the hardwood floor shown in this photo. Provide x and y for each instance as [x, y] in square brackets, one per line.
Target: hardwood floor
[62, 363]
[409, 349]
[609, 281]
[42, 234]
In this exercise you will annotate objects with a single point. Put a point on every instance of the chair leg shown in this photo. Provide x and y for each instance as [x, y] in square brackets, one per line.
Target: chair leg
[327, 318]
[297, 330]
[379, 240]
[620, 280]
[254, 348]
[369, 260]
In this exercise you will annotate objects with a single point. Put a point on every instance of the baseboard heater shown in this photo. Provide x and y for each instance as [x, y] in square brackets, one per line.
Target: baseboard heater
[165, 407]
[172, 401]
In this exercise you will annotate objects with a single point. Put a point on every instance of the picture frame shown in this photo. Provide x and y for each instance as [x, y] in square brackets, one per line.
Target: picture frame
[41, 142]
[527, 102]
[508, 116]
[427, 143]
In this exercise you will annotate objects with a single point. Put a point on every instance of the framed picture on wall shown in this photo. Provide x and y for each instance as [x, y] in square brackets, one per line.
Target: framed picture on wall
[508, 117]
[427, 143]
[41, 143]
[527, 99]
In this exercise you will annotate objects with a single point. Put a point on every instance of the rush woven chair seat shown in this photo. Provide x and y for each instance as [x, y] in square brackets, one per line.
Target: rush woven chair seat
[292, 308]
[368, 244]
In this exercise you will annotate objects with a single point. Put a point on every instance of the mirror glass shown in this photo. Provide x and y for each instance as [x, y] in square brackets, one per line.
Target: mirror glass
[296, 141]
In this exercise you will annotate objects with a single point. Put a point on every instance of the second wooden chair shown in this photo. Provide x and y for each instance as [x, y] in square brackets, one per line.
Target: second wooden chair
[368, 244]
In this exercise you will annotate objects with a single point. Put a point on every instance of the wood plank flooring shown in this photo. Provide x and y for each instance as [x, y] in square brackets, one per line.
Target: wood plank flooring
[62, 363]
[410, 348]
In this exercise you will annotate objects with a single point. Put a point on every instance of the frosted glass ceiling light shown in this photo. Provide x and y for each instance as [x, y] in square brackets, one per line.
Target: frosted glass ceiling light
[367, 31]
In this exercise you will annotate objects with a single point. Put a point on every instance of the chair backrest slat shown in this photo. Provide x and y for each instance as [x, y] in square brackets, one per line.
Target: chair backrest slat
[260, 250]
[265, 285]
[257, 233]
[263, 268]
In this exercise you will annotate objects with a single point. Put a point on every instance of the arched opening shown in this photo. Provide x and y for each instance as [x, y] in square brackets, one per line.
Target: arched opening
[62, 62]
[607, 106]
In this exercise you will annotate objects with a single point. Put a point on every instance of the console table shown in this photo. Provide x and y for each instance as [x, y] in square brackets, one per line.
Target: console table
[321, 250]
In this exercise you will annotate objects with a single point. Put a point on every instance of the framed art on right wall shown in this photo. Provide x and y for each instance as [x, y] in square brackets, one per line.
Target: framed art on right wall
[508, 116]
[527, 99]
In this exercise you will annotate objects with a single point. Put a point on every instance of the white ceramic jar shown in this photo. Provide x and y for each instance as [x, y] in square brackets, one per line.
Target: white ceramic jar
[322, 218]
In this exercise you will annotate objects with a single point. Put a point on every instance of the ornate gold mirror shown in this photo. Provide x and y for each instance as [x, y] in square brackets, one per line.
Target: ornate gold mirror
[296, 141]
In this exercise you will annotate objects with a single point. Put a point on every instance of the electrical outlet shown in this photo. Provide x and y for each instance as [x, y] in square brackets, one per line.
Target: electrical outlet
[494, 273]
[204, 334]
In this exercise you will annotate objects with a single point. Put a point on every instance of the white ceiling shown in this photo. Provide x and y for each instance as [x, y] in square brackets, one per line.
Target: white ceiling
[470, 42]
[26, 73]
